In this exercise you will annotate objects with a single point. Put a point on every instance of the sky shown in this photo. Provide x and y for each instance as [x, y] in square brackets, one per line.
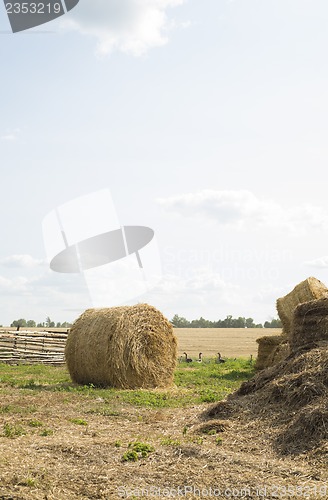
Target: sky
[206, 121]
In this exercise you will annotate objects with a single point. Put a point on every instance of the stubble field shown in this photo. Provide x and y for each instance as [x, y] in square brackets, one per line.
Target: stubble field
[60, 441]
[230, 342]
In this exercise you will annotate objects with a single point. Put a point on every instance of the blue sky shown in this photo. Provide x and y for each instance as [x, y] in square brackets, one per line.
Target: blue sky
[208, 123]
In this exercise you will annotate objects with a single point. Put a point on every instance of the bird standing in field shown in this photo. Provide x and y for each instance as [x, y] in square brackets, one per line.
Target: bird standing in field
[188, 360]
[200, 359]
[219, 359]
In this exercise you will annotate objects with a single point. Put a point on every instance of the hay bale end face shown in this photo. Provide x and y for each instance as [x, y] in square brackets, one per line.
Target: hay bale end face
[307, 290]
[125, 347]
[310, 323]
[279, 353]
[267, 347]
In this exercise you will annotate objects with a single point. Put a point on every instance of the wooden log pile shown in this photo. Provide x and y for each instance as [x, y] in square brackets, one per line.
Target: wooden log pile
[32, 347]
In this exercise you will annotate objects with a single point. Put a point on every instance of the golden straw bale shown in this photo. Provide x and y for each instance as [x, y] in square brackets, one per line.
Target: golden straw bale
[280, 352]
[125, 347]
[310, 323]
[267, 346]
[307, 290]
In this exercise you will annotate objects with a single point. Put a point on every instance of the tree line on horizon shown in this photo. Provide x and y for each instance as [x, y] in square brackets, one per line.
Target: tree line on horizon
[177, 321]
[48, 323]
[228, 322]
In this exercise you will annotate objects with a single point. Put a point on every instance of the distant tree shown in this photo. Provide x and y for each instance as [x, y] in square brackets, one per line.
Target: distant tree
[228, 321]
[180, 322]
[49, 323]
[201, 323]
[31, 323]
[239, 322]
[19, 322]
[274, 323]
[58, 325]
[66, 324]
[40, 325]
[250, 323]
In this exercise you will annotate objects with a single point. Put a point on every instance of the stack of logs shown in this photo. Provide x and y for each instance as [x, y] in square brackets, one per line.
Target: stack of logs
[24, 346]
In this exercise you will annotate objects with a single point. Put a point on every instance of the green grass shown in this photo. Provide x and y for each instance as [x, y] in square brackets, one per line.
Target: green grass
[46, 432]
[19, 410]
[168, 441]
[13, 430]
[195, 383]
[78, 421]
[136, 451]
[35, 423]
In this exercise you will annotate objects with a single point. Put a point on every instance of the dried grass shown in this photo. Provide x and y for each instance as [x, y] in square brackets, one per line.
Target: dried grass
[307, 290]
[307, 428]
[124, 347]
[292, 397]
[211, 427]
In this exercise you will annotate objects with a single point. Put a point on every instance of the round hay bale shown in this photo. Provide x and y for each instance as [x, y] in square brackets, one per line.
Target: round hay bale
[307, 290]
[125, 347]
[267, 346]
[310, 323]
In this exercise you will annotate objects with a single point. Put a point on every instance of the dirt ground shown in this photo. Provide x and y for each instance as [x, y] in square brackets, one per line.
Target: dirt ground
[85, 461]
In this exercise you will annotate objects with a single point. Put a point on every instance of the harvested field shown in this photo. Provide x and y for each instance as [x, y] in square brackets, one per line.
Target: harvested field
[230, 342]
[60, 441]
[61, 444]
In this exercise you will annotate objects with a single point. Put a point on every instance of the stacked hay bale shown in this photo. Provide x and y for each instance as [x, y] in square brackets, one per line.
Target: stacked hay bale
[280, 352]
[291, 395]
[307, 290]
[272, 350]
[267, 351]
[310, 324]
[125, 347]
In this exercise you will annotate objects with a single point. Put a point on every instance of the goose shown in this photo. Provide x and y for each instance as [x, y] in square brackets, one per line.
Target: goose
[188, 360]
[219, 359]
[200, 359]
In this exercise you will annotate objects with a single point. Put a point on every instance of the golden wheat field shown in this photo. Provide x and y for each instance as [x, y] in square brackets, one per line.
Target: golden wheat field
[230, 342]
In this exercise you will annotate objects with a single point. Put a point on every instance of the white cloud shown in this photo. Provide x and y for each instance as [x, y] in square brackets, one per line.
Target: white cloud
[62, 298]
[269, 293]
[11, 136]
[242, 209]
[202, 281]
[320, 262]
[21, 261]
[13, 286]
[130, 26]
